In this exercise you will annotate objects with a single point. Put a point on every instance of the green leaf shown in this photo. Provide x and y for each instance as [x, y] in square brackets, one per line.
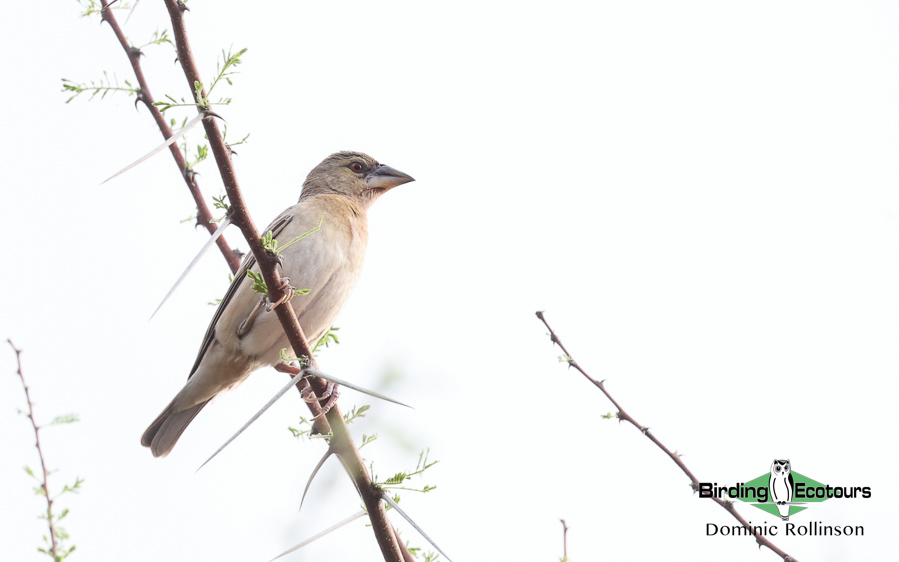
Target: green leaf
[68, 418]
[258, 282]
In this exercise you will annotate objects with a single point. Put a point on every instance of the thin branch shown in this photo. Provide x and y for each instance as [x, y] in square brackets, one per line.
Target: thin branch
[204, 216]
[341, 440]
[694, 482]
[342, 443]
[564, 540]
[54, 547]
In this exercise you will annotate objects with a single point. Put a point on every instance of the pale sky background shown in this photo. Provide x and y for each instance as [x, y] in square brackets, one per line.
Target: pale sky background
[702, 196]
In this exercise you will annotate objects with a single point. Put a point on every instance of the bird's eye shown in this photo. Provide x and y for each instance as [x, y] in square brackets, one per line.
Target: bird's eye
[356, 167]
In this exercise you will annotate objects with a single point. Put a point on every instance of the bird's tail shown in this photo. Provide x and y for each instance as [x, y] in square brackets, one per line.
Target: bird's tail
[165, 430]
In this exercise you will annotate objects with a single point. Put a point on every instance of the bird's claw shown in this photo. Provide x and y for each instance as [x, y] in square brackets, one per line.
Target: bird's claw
[287, 293]
[330, 390]
[308, 394]
[332, 395]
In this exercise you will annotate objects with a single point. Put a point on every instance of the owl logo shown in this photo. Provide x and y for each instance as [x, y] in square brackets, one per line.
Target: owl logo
[780, 487]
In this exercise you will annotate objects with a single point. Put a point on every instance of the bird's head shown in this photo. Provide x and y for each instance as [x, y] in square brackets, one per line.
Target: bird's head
[354, 175]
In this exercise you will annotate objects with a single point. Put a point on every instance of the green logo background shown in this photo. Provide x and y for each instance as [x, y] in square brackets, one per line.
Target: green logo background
[770, 506]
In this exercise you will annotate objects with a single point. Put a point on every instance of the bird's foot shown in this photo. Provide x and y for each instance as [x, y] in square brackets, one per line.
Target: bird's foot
[287, 293]
[332, 395]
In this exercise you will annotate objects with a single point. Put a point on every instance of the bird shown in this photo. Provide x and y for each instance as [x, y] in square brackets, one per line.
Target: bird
[244, 335]
[780, 486]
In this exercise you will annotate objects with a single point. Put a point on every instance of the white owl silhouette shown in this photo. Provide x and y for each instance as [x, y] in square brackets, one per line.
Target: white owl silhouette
[780, 486]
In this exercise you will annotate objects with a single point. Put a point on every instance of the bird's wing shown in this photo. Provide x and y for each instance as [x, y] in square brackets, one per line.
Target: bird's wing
[249, 261]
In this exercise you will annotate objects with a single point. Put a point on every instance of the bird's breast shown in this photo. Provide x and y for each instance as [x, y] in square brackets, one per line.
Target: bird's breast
[327, 262]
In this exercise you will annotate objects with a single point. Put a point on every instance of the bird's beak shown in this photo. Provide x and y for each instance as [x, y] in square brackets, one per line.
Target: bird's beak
[386, 177]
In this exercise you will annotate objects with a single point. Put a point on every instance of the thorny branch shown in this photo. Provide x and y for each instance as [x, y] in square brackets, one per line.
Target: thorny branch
[694, 483]
[54, 546]
[204, 216]
[341, 442]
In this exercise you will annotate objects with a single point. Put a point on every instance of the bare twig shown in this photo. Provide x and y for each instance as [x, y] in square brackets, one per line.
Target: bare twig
[204, 216]
[694, 482]
[341, 441]
[54, 546]
[564, 540]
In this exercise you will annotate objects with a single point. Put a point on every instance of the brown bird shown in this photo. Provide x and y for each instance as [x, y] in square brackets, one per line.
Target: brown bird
[243, 336]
